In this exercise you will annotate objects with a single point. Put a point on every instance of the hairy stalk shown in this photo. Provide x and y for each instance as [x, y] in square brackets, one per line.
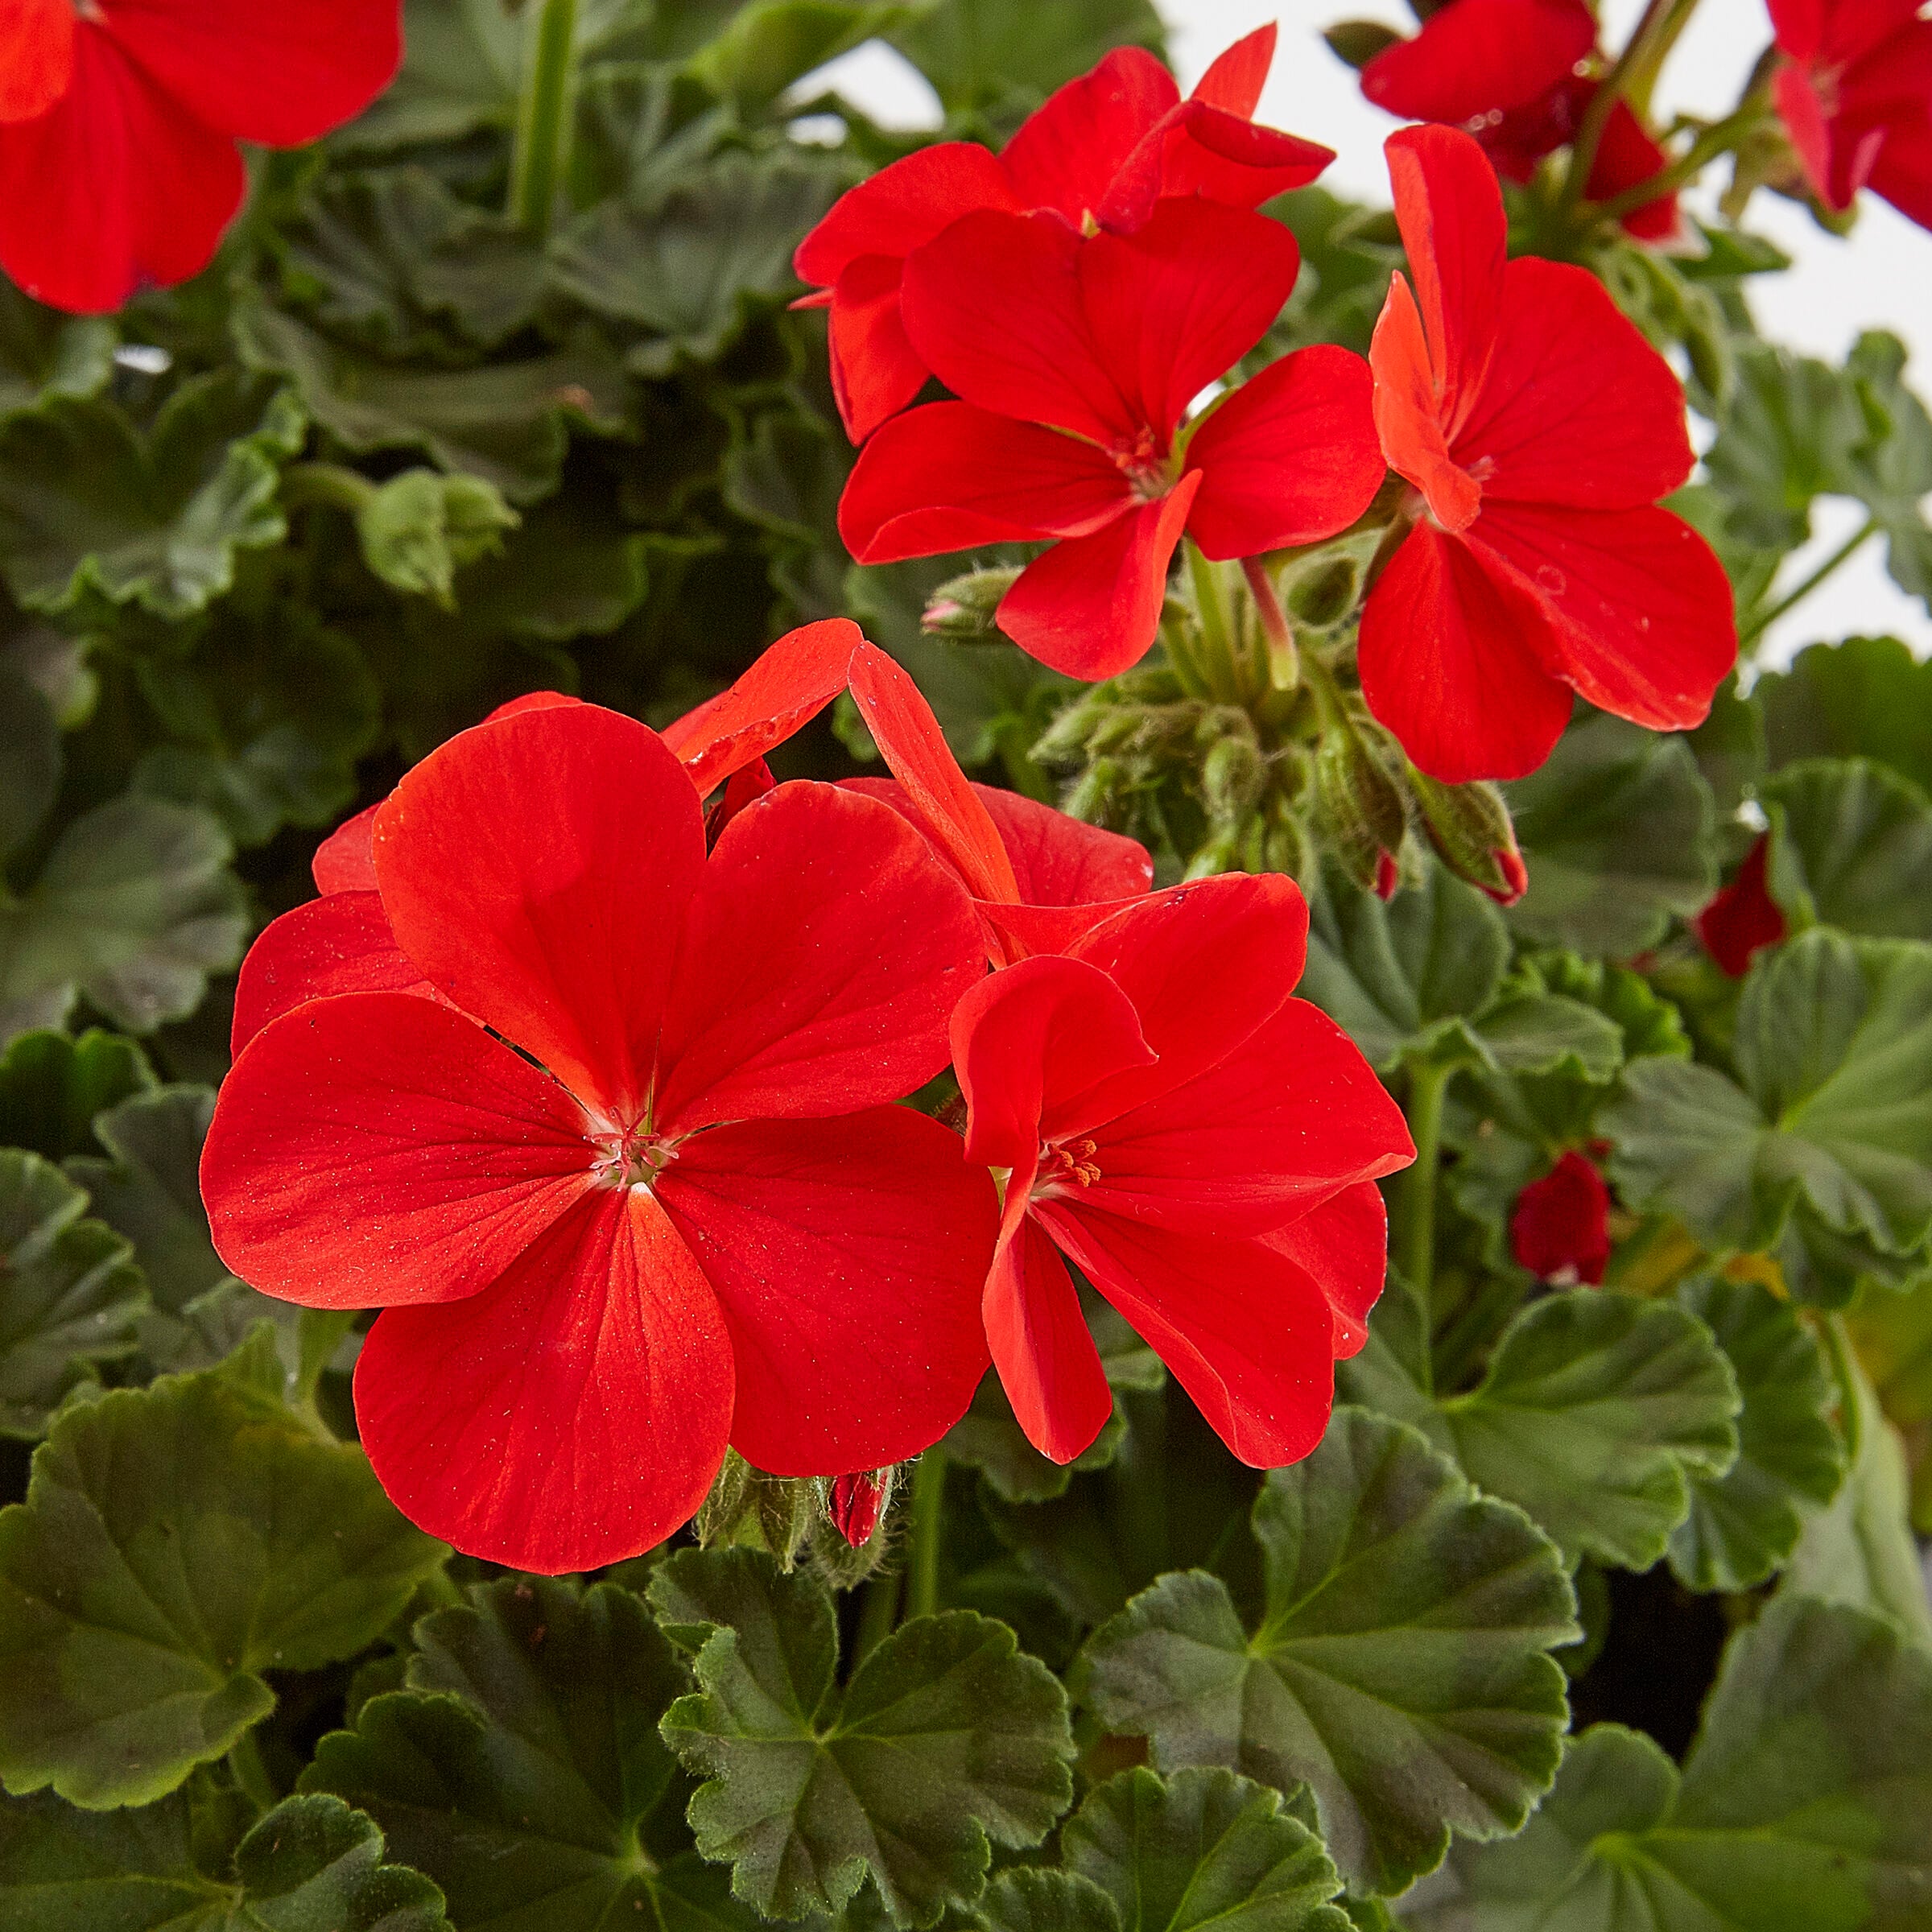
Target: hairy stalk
[1765, 618]
[543, 115]
[1284, 660]
[1217, 627]
[1415, 1253]
[928, 1524]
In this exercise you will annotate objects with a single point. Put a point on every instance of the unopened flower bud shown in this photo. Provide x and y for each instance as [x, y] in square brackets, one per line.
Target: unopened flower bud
[1559, 1229]
[1359, 808]
[858, 1502]
[966, 609]
[1231, 779]
[1469, 827]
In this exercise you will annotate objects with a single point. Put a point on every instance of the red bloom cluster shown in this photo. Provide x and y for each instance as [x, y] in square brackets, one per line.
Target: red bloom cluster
[118, 121]
[1538, 428]
[1855, 95]
[597, 1110]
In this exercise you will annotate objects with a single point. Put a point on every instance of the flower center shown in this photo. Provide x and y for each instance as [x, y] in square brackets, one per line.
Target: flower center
[1065, 1166]
[633, 1158]
[1144, 466]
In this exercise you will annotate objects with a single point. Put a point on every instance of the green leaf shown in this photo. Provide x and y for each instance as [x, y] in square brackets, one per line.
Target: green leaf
[1806, 1802]
[1597, 1412]
[1402, 1668]
[31, 775]
[1891, 471]
[1033, 1898]
[1861, 1550]
[522, 1767]
[311, 1865]
[947, 1738]
[505, 422]
[1617, 831]
[177, 1542]
[685, 268]
[419, 528]
[1532, 1032]
[1834, 1052]
[1745, 1523]
[52, 1086]
[45, 353]
[133, 909]
[1201, 1848]
[459, 73]
[90, 504]
[975, 53]
[70, 1294]
[1853, 847]
[1867, 697]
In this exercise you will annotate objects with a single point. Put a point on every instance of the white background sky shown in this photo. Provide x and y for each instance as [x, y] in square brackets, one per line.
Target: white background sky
[1881, 277]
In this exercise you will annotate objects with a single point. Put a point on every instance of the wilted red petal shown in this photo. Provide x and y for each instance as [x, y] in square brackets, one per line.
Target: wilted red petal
[1091, 606]
[875, 369]
[1066, 153]
[345, 860]
[1743, 917]
[1643, 616]
[1474, 56]
[1452, 660]
[573, 1414]
[283, 75]
[944, 806]
[848, 1255]
[340, 943]
[821, 957]
[1046, 1360]
[537, 869]
[891, 212]
[36, 56]
[950, 477]
[377, 1149]
[1579, 408]
[1031, 1043]
[1408, 413]
[791, 682]
[1247, 1333]
[115, 188]
[1289, 458]
[1236, 75]
[1344, 1245]
[1560, 1228]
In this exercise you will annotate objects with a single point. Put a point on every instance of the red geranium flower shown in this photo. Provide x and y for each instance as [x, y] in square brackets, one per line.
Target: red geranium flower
[1855, 93]
[617, 1167]
[118, 121]
[1743, 917]
[1560, 1231]
[1073, 388]
[1538, 428]
[1098, 154]
[1200, 1145]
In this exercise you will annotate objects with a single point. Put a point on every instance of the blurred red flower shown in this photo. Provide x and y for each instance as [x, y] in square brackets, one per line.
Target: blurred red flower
[1560, 1230]
[1743, 918]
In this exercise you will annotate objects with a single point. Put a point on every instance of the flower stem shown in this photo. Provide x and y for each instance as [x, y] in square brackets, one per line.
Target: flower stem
[1765, 618]
[1217, 637]
[1415, 1254]
[1718, 138]
[1610, 90]
[928, 1521]
[543, 115]
[1284, 660]
[251, 1774]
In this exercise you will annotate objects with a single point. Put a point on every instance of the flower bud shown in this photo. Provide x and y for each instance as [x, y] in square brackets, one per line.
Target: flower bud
[856, 1503]
[774, 1513]
[966, 609]
[1560, 1229]
[1360, 808]
[1469, 827]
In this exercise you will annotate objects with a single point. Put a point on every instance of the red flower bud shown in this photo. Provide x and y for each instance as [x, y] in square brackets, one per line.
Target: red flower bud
[1743, 918]
[857, 1504]
[1560, 1230]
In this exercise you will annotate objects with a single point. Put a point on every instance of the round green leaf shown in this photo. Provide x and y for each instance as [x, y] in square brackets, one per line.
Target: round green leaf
[51, 1087]
[1854, 847]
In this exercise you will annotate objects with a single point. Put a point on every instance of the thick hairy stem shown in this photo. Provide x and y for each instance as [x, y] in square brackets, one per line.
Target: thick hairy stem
[1415, 1251]
[543, 115]
[1284, 660]
[1219, 666]
[928, 1517]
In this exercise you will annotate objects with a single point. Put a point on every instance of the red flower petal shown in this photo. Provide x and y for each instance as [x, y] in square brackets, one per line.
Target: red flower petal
[821, 957]
[790, 683]
[1642, 609]
[1344, 1245]
[115, 186]
[1046, 1360]
[1286, 1122]
[1031, 1044]
[848, 1255]
[1408, 414]
[1473, 56]
[537, 870]
[1225, 158]
[1450, 210]
[1579, 408]
[1626, 157]
[572, 1415]
[1066, 153]
[1059, 860]
[36, 56]
[875, 369]
[1560, 1228]
[892, 212]
[1091, 606]
[283, 75]
[1290, 457]
[1452, 659]
[378, 1149]
[1743, 918]
[950, 477]
[1244, 1330]
[1236, 75]
[341, 943]
[944, 807]
[345, 860]
[743, 787]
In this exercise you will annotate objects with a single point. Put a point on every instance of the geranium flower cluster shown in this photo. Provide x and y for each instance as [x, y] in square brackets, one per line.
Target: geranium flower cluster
[594, 1094]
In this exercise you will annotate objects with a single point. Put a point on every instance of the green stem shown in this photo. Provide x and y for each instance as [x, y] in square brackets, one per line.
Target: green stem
[1610, 90]
[1416, 1252]
[304, 486]
[879, 1615]
[1217, 637]
[1845, 1372]
[251, 1773]
[1718, 139]
[543, 115]
[1765, 618]
[927, 1516]
[1284, 660]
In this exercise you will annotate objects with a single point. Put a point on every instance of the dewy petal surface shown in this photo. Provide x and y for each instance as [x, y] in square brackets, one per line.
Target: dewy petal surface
[339, 944]
[377, 1148]
[537, 869]
[345, 860]
[823, 953]
[573, 1414]
[849, 1255]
